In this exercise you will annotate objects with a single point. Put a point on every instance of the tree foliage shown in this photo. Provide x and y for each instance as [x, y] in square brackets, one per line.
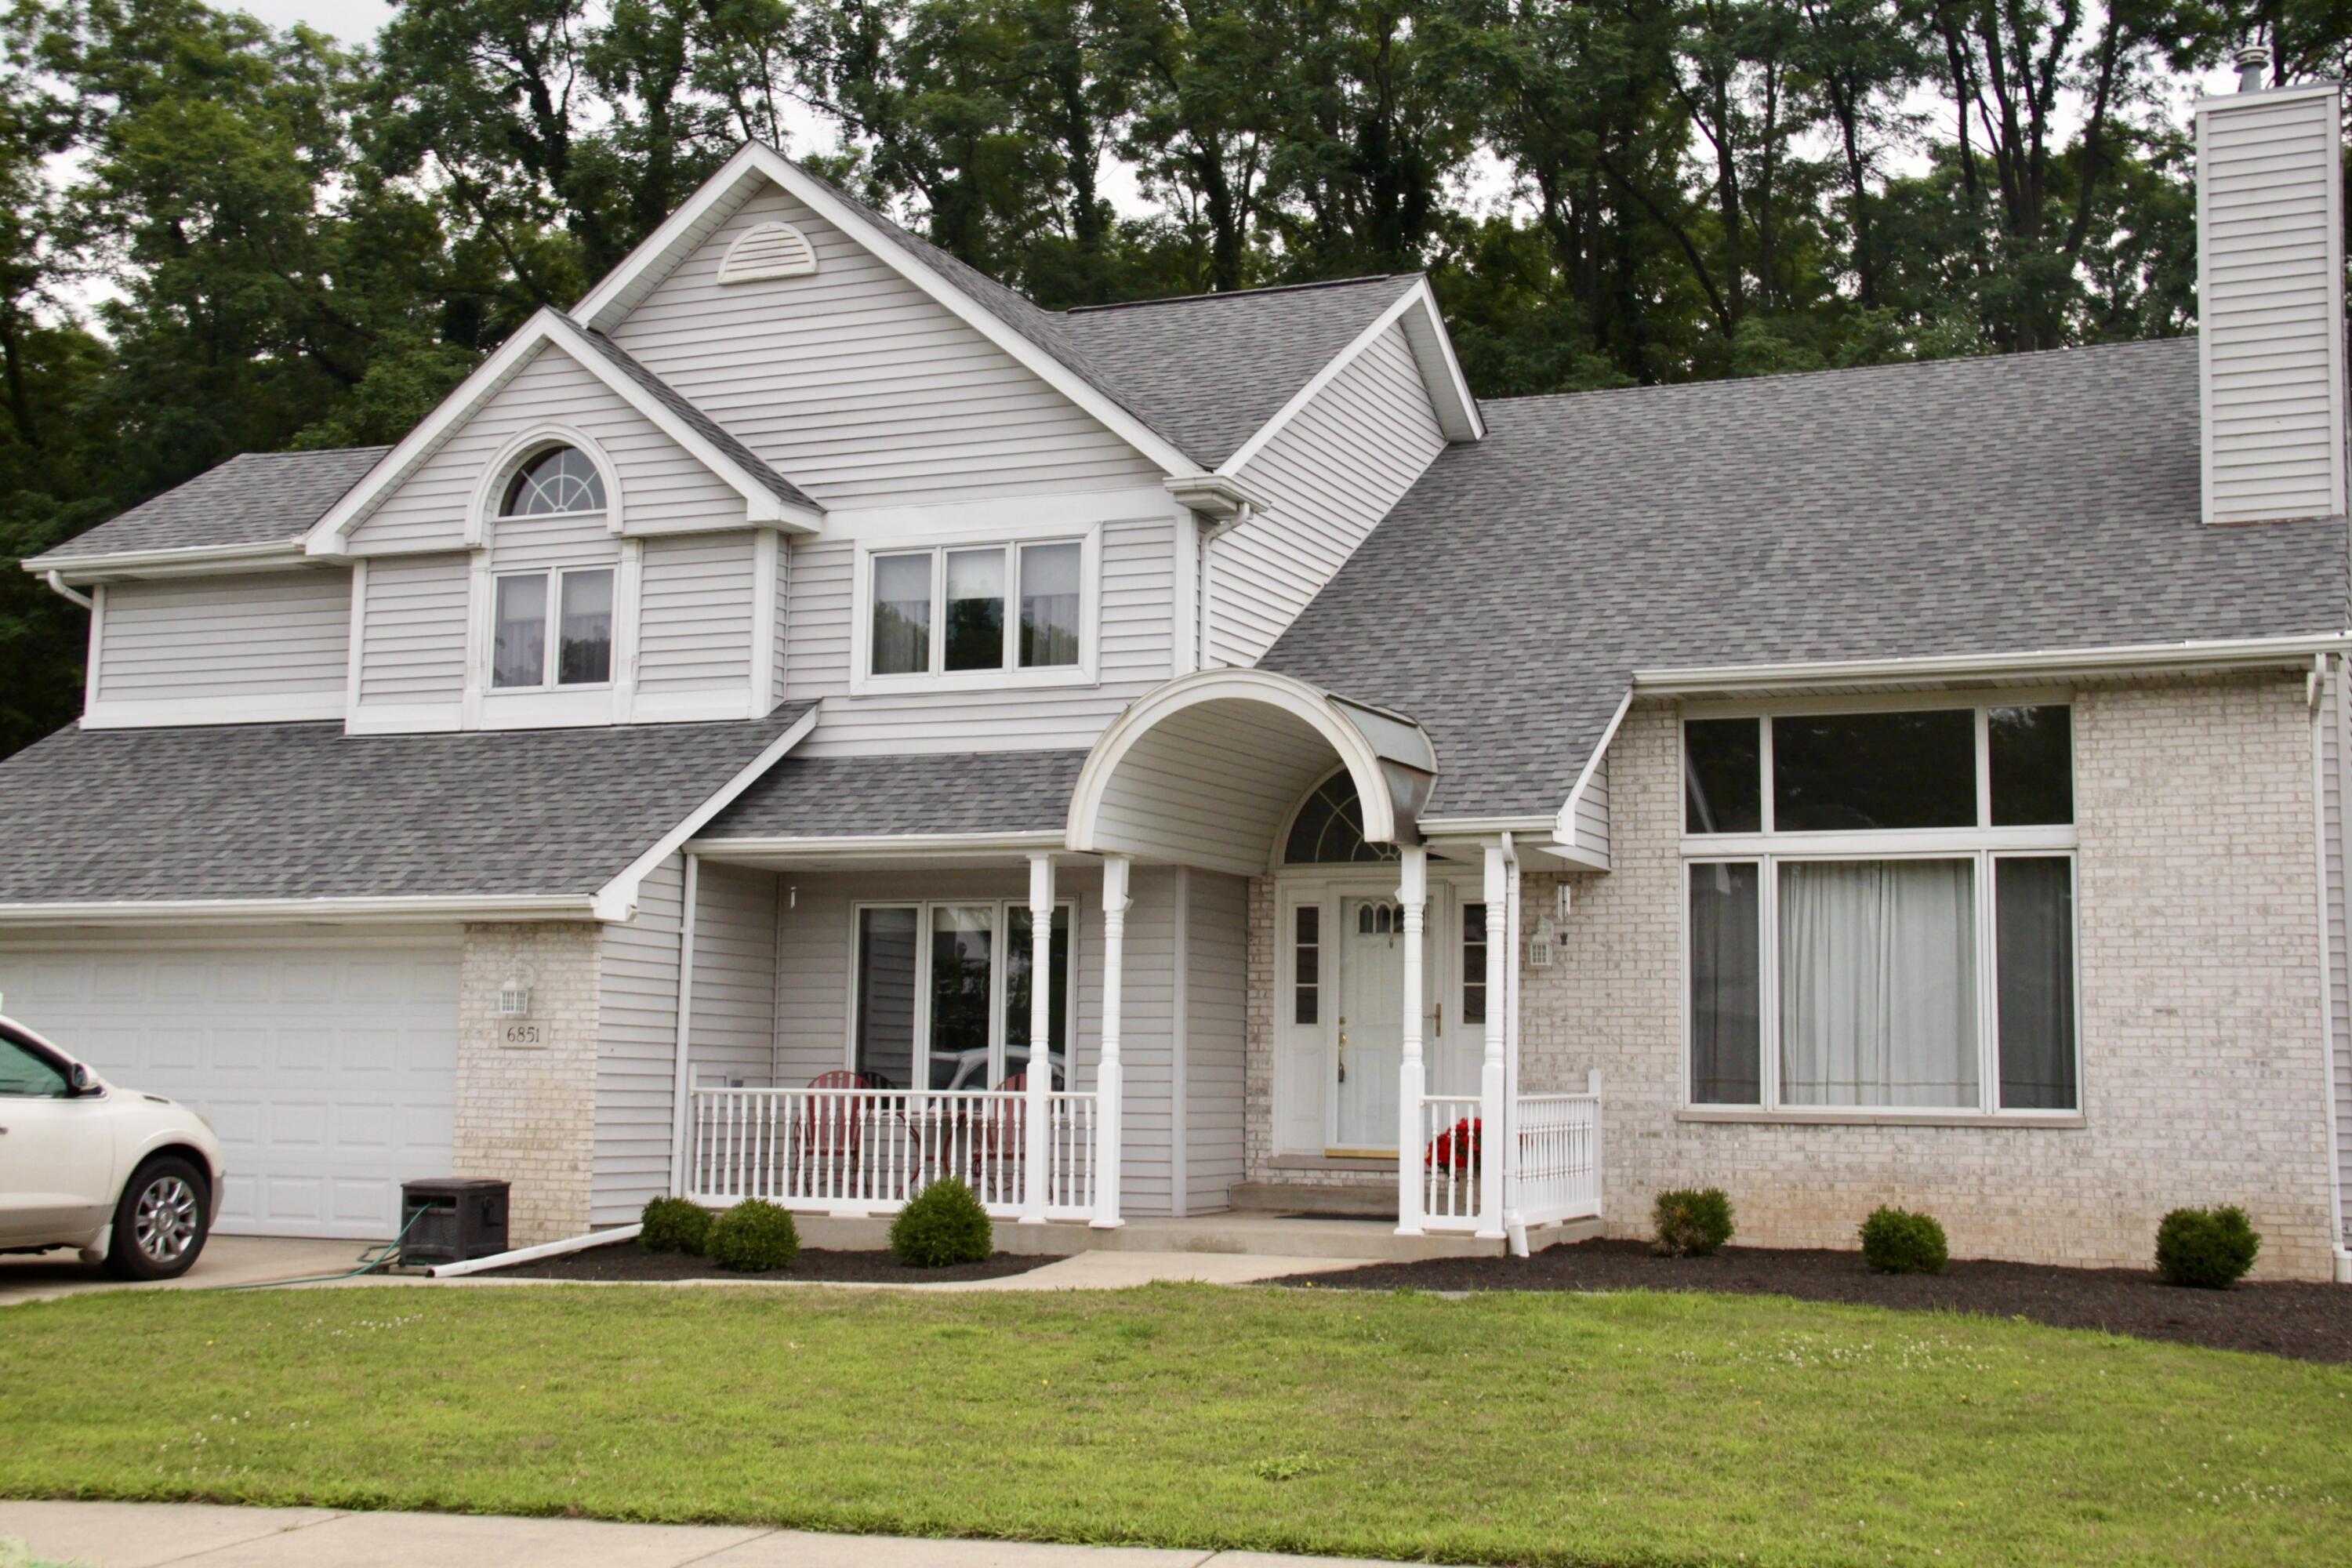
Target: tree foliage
[218, 238]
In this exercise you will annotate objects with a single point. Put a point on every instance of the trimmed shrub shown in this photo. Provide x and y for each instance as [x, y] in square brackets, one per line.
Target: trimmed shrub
[1691, 1223]
[1896, 1241]
[753, 1238]
[674, 1225]
[2208, 1248]
[942, 1224]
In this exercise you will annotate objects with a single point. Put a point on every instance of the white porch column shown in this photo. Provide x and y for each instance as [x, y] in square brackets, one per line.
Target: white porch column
[1036, 1108]
[1108, 1099]
[1411, 1078]
[681, 1080]
[1491, 1121]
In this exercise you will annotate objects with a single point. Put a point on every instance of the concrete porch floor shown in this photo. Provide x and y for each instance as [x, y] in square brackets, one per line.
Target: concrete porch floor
[1246, 1232]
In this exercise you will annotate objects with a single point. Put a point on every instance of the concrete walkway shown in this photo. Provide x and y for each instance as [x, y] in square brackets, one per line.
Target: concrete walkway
[151, 1535]
[225, 1260]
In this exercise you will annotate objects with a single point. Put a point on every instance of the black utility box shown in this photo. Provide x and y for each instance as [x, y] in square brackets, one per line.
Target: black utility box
[451, 1219]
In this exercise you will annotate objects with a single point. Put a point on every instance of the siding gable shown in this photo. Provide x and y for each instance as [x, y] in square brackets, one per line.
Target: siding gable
[662, 485]
[857, 385]
[1325, 481]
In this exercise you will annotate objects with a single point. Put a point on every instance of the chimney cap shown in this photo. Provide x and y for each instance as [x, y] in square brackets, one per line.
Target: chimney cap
[2254, 62]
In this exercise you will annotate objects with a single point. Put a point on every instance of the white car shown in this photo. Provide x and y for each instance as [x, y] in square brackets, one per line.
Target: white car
[132, 1180]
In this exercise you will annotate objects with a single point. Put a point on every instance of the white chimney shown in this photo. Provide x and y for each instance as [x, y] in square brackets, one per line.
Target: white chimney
[2270, 300]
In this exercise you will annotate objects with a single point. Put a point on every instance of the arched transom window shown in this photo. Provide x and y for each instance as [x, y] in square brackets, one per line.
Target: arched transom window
[1329, 828]
[560, 480]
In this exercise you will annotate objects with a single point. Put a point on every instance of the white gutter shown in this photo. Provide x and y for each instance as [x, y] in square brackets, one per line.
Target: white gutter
[191, 560]
[57, 581]
[1675, 680]
[869, 845]
[275, 911]
[531, 1253]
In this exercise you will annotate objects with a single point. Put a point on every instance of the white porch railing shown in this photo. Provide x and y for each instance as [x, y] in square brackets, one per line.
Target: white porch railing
[1451, 1148]
[1559, 1156]
[867, 1151]
[1558, 1175]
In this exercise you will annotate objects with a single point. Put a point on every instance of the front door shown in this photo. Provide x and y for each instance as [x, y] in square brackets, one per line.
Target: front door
[1368, 1036]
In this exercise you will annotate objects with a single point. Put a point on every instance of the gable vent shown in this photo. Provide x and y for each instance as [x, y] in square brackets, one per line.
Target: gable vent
[2270, 302]
[770, 250]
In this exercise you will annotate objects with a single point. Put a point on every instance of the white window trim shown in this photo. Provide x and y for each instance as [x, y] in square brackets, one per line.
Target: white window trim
[482, 514]
[1982, 846]
[1088, 538]
[551, 632]
[1002, 909]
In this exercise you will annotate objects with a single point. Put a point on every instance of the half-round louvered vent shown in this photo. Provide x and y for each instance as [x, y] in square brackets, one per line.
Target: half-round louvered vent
[770, 250]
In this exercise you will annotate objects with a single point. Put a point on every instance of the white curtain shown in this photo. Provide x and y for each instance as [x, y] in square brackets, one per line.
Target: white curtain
[1878, 982]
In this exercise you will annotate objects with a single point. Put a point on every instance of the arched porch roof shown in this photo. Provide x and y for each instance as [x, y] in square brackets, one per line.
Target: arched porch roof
[1203, 770]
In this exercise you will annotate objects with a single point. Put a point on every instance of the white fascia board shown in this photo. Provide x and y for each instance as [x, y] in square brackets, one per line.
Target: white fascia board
[547, 328]
[852, 848]
[1563, 831]
[386, 910]
[193, 561]
[604, 306]
[2171, 658]
[2262, 100]
[617, 898]
[1445, 373]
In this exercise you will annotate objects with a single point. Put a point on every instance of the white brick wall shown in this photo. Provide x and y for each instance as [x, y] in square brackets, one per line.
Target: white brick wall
[2204, 1070]
[527, 1114]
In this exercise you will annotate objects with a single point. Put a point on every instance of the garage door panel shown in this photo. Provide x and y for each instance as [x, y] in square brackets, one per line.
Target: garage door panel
[329, 1070]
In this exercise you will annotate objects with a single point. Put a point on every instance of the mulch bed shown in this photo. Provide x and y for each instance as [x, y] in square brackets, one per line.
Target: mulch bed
[627, 1260]
[2309, 1322]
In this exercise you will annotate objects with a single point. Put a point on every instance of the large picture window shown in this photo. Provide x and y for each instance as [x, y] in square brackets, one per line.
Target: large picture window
[942, 993]
[997, 609]
[1879, 910]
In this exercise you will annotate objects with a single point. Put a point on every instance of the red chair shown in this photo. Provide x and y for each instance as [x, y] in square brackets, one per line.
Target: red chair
[832, 1128]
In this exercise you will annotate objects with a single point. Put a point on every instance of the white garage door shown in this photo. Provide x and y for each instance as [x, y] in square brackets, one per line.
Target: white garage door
[328, 1069]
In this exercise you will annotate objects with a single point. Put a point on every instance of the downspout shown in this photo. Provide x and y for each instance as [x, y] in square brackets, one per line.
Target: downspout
[2326, 707]
[1514, 1225]
[56, 582]
[681, 1095]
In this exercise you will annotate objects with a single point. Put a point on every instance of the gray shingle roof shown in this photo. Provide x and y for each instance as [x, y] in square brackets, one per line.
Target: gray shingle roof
[710, 429]
[2016, 503]
[1215, 367]
[259, 497]
[304, 811]
[982, 792]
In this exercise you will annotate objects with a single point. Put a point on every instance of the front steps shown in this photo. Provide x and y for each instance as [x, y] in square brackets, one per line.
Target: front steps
[1254, 1233]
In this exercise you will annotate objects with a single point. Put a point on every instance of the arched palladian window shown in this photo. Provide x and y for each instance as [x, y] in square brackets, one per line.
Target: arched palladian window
[559, 479]
[1329, 828]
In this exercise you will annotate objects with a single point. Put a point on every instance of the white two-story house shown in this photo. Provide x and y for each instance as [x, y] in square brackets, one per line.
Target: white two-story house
[763, 703]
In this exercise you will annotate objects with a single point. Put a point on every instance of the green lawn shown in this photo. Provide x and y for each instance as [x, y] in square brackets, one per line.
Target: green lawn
[1631, 1428]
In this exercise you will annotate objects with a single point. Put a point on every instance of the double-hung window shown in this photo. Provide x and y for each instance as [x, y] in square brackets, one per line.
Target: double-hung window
[531, 649]
[942, 993]
[1879, 911]
[1010, 611]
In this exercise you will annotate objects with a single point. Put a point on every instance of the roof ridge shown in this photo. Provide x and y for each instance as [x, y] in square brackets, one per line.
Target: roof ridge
[1239, 293]
[1782, 378]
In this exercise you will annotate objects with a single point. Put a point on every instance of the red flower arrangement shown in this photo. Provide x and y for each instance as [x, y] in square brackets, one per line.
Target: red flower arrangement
[1457, 1148]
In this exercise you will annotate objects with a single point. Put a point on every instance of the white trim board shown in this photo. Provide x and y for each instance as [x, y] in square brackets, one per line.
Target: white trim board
[2248, 653]
[546, 329]
[436, 908]
[605, 306]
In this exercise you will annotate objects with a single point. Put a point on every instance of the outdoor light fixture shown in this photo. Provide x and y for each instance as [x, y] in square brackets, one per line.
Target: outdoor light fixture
[514, 993]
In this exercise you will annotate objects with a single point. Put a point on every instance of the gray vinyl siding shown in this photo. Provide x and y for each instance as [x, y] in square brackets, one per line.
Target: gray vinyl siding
[859, 386]
[1137, 651]
[2269, 312]
[412, 630]
[1216, 1002]
[636, 1049]
[694, 628]
[661, 484]
[734, 1020]
[252, 638]
[1326, 481]
[1592, 825]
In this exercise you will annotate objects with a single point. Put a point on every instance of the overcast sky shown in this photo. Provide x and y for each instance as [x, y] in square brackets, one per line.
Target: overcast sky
[352, 21]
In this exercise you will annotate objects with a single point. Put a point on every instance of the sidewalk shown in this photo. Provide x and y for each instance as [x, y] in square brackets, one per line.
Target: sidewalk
[151, 1535]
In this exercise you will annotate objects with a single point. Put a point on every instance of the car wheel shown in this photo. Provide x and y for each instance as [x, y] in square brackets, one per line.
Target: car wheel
[160, 1222]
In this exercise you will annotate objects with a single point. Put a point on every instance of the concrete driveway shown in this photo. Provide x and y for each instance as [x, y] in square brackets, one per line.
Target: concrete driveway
[226, 1260]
